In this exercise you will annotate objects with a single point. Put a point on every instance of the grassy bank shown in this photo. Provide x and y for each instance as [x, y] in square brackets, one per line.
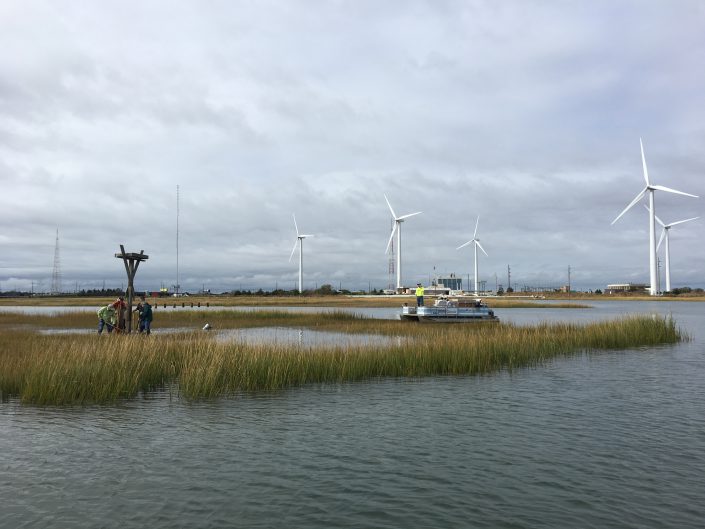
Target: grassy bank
[75, 369]
[556, 300]
[335, 320]
[277, 301]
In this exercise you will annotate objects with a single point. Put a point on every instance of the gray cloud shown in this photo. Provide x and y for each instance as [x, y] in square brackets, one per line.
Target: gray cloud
[525, 113]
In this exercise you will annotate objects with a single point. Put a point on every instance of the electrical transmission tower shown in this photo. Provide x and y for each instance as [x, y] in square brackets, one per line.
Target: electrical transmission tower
[56, 272]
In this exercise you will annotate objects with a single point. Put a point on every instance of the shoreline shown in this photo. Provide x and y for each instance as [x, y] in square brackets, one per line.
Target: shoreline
[332, 301]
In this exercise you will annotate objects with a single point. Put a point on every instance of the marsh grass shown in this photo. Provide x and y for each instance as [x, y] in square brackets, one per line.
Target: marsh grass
[75, 369]
[336, 320]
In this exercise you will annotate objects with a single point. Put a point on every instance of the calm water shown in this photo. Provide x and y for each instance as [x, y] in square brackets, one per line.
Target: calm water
[612, 439]
[303, 337]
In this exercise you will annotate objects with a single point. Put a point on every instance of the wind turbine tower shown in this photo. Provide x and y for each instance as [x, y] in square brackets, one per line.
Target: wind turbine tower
[476, 243]
[650, 188]
[390, 269]
[56, 272]
[300, 241]
[665, 235]
[397, 229]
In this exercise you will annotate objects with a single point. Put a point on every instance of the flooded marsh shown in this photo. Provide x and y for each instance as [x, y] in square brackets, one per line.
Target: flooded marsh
[79, 368]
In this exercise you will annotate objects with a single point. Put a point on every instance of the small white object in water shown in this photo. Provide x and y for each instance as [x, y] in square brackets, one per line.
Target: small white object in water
[207, 327]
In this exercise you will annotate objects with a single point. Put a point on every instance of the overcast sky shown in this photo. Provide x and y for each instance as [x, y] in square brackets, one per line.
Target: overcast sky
[526, 113]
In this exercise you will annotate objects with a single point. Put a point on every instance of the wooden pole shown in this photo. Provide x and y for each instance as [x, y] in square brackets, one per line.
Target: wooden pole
[131, 262]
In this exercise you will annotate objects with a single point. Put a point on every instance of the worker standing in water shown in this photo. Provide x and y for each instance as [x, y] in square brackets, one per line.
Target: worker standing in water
[106, 318]
[419, 295]
[145, 315]
[120, 309]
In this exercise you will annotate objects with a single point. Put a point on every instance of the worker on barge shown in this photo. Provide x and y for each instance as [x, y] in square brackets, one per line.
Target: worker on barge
[419, 295]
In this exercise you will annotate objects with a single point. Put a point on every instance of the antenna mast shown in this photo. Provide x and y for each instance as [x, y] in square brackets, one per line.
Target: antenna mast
[56, 272]
[177, 286]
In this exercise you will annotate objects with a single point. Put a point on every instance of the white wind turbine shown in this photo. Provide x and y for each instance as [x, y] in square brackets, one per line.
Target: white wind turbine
[300, 241]
[650, 188]
[397, 229]
[664, 235]
[477, 245]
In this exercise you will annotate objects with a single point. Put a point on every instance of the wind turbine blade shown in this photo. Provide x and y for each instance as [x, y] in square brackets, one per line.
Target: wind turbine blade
[390, 207]
[655, 216]
[296, 225]
[293, 249]
[394, 229]
[474, 235]
[668, 189]
[682, 221]
[481, 248]
[464, 245]
[409, 215]
[302, 236]
[643, 162]
[637, 199]
[660, 240]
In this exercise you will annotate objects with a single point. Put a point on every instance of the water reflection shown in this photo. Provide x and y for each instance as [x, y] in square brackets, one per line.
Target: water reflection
[302, 337]
[45, 311]
[55, 331]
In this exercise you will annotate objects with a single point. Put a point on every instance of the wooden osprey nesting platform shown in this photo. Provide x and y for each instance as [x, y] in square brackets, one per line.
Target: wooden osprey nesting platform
[131, 261]
[133, 256]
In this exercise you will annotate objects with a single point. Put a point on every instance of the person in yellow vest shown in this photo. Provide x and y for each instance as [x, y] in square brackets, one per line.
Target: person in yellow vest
[419, 295]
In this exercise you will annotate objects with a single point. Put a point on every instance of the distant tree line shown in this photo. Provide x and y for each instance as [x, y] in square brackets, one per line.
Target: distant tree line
[97, 292]
[323, 290]
[685, 290]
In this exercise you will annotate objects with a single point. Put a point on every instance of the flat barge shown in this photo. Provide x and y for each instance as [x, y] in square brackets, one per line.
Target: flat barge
[450, 311]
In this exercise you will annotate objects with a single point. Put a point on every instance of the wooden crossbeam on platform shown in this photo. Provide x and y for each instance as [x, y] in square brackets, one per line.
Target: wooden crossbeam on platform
[132, 255]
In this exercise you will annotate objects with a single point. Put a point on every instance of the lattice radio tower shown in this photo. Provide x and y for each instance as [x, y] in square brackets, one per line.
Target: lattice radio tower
[56, 272]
